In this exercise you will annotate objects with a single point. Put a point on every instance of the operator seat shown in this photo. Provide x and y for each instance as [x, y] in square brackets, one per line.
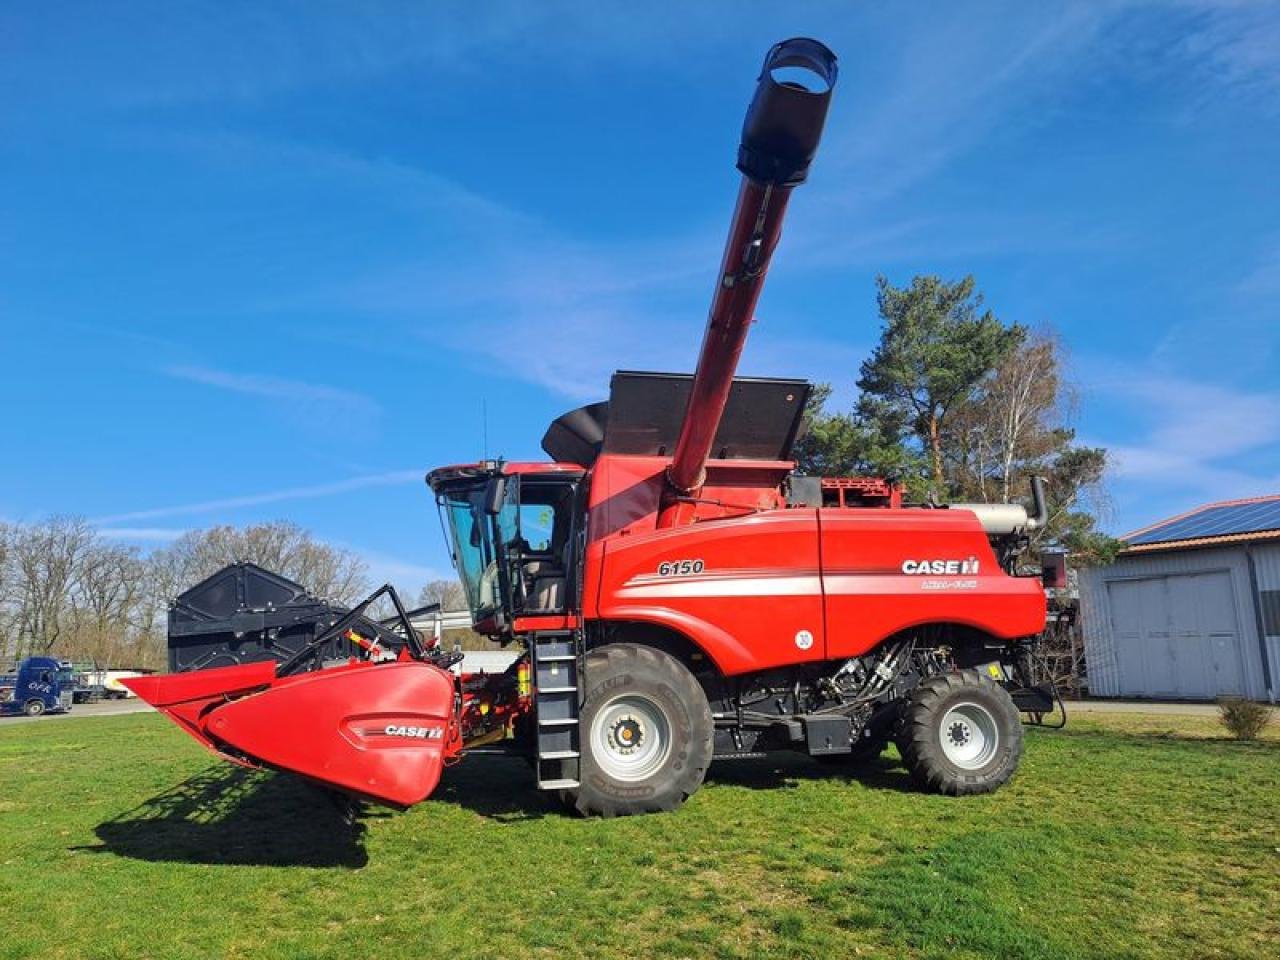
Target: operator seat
[546, 581]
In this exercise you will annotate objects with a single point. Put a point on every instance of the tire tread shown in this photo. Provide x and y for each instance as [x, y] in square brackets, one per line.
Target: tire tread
[588, 802]
[922, 754]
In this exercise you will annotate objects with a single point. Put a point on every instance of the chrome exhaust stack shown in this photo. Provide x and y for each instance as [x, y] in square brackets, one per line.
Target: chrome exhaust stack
[1008, 519]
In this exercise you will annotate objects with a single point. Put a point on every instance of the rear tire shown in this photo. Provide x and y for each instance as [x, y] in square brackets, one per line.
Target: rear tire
[33, 708]
[960, 734]
[646, 734]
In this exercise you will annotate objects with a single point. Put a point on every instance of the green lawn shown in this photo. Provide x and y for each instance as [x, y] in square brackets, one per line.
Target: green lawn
[1122, 837]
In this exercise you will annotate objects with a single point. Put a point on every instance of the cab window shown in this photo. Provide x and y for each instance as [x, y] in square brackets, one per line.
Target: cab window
[537, 524]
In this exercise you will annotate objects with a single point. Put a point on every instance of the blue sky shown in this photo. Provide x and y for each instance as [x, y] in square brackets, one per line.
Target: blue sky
[268, 261]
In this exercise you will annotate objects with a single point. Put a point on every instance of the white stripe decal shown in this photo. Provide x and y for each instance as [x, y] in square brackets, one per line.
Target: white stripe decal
[842, 585]
[807, 585]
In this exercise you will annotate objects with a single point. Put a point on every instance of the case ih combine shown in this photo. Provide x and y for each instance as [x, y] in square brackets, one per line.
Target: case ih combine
[679, 593]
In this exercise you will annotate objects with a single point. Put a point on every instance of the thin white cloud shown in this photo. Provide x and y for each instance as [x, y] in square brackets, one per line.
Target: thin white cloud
[1196, 434]
[215, 53]
[1236, 50]
[403, 185]
[391, 478]
[275, 388]
[1263, 280]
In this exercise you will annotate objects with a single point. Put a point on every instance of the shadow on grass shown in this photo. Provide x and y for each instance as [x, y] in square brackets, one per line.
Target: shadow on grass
[228, 815]
[783, 771]
[497, 787]
[502, 788]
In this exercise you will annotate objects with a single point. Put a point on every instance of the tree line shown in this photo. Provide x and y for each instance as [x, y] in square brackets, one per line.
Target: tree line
[67, 591]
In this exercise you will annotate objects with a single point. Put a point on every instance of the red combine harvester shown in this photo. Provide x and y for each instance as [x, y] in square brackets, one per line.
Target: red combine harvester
[680, 594]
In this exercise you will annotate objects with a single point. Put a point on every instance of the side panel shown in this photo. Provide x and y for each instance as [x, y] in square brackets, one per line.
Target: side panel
[748, 591]
[626, 492]
[878, 572]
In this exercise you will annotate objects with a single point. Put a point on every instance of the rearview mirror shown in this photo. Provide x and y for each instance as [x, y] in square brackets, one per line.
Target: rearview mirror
[494, 494]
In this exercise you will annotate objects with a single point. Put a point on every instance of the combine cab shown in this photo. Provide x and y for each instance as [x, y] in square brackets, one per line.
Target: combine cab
[678, 593]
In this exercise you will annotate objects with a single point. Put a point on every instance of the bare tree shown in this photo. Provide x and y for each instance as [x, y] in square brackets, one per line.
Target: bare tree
[67, 592]
[325, 570]
[1015, 419]
[106, 605]
[1019, 422]
[8, 597]
[46, 561]
[448, 593]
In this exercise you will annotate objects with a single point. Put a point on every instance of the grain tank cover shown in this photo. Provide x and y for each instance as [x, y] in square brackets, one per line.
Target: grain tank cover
[761, 421]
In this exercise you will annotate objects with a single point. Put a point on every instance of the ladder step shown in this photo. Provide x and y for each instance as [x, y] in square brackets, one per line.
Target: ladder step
[557, 690]
[562, 784]
[568, 722]
[558, 658]
[559, 755]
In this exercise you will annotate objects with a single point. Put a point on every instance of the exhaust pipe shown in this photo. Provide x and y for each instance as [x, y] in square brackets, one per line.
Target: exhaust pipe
[1003, 519]
[1040, 519]
[780, 136]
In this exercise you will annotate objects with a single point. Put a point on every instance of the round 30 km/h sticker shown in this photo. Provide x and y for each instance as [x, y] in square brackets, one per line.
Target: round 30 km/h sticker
[804, 640]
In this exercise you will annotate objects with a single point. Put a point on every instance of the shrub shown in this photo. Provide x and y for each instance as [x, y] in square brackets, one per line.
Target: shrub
[1244, 718]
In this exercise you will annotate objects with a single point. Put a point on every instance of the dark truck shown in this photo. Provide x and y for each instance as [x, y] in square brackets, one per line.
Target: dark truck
[37, 685]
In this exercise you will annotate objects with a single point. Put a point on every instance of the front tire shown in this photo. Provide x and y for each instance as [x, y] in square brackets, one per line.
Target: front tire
[960, 734]
[33, 708]
[646, 733]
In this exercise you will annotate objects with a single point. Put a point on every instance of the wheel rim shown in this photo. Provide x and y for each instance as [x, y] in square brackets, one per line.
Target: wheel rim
[969, 736]
[630, 737]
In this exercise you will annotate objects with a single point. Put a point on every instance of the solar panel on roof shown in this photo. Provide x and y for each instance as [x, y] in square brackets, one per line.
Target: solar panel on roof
[1223, 520]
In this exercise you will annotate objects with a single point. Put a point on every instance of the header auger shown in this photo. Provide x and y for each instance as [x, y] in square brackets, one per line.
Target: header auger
[678, 593]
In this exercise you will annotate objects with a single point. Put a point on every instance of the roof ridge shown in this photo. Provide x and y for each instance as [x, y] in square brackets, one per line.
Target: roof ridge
[1262, 498]
[1210, 540]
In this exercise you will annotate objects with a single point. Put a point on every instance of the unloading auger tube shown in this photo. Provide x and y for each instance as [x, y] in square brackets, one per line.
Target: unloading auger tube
[779, 139]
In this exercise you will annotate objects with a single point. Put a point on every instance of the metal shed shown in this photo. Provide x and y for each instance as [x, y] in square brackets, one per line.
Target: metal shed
[1191, 608]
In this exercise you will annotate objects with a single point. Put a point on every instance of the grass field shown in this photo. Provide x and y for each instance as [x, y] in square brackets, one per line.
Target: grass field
[1123, 836]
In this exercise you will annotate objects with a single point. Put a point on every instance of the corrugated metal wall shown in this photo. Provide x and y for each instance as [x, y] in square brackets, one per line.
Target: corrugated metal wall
[1266, 562]
[1113, 672]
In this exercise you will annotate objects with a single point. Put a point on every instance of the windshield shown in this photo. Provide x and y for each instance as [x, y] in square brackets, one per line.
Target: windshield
[471, 534]
[512, 560]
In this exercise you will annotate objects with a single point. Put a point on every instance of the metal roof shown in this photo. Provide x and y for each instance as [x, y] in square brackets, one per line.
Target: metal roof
[1225, 521]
